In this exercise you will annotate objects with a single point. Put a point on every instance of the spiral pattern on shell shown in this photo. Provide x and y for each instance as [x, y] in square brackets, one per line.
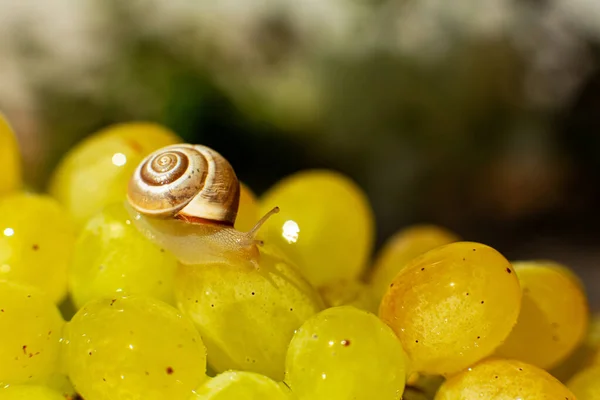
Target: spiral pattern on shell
[189, 181]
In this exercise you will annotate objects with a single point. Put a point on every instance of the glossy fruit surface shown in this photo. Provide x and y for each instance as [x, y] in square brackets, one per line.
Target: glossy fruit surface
[452, 306]
[344, 353]
[325, 225]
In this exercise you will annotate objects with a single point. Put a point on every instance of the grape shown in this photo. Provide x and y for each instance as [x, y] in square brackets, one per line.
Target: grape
[30, 331]
[503, 380]
[246, 316]
[60, 382]
[10, 159]
[133, 348]
[112, 256]
[240, 385]
[248, 212]
[348, 292]
[97, 171]
[452, 306]
[344, 353]
[553, 318]
[26, 392]
[402, 248]
[585, 355]
[325, 225]
[36, 242]
[586, 384]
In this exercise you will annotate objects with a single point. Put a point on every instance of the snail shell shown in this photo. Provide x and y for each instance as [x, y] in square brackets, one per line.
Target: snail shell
[190, 182]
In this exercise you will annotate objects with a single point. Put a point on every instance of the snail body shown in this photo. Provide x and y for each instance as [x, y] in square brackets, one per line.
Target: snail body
[185, 198]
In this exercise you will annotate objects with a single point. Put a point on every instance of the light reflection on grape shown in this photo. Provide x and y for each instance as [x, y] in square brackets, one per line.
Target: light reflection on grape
[291, 231]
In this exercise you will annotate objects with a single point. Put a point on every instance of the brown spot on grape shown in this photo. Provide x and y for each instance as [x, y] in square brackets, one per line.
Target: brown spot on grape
[252, 293]
[212, 305]
[467, 293]
[147, 373]
[104, 379]
[520, 369]
[478, 337]
[35, 247]
[90, 353]
[196, 300]
[464, 259]
[474, 249]
[169, 370]
[416, 341]
[496, 377]
[291, 309]
[135, 146]
[315, 336]
[423, 269]
[25, 349]
[162, 250]
[391, 285]
[482, 301]
[509, 270]
[345, 342]
[2, 310]
[112, 301]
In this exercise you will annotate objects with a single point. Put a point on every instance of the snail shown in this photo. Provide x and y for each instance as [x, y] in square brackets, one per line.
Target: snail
[185, 199]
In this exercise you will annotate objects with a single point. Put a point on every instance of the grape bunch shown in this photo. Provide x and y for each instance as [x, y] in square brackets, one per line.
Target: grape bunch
[104, 295]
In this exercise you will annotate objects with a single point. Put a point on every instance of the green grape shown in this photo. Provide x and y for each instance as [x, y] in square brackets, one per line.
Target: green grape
[248, 212]
[133, 348]
[240, 385]
[402, 248]
[97, 171]
[503, 380]
[246, 315]
[344, 353]
[553, 319]
[112, 256]
[325, 225]
[586, 384]
[10, 159]
[26, 392]
[348, 292]
[36, 242]
[30, 332]
[452, 306]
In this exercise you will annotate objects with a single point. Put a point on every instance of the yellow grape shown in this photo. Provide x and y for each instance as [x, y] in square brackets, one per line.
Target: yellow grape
[585, 355]
[503, 380]
[240, 385]
[10, 159]
[325, 225]
[452, 306]
[402, 248]
[348, 292]
[30, 332]
[26, 392]
[246, 316]
[96, 172]
[586, 384]
[36, 242]
[133, 348]
[344, 353]
[553, 318]
[112, 257]
[248, 212]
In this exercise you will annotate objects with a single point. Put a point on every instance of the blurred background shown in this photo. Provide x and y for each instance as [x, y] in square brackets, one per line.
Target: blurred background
[479, 115]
